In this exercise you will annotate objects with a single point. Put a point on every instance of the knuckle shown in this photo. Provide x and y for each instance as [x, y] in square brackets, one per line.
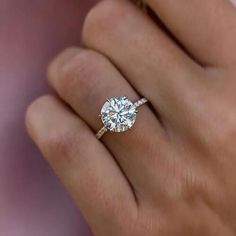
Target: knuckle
[33, 112]
[105, 16]
[33, 107]
[80, 72]
[59, 145]
[54, 67]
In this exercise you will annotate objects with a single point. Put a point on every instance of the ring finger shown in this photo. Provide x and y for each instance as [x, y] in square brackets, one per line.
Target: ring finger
[85, 79]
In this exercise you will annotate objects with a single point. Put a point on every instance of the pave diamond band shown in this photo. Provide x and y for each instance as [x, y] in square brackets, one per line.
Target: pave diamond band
[140, 102]
[118, 114]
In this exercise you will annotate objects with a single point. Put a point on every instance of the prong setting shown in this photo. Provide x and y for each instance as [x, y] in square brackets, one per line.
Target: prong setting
[118, 114]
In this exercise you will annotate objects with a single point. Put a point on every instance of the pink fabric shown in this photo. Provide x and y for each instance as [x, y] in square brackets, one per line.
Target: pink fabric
[32, 201]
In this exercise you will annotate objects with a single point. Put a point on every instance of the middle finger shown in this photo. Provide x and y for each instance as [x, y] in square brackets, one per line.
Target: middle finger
[151, 61]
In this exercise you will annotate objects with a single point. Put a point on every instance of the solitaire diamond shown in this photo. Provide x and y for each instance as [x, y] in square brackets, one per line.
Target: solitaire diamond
[118, 114]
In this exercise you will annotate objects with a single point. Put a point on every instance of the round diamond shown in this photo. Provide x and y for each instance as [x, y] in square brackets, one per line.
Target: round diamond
[118, 114]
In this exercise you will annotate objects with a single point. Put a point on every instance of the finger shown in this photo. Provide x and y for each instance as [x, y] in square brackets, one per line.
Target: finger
[85, 81]
[207, 29]
[83, 164]
[151, 62]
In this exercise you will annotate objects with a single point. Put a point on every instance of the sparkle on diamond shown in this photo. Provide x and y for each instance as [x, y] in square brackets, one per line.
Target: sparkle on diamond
[118, 114]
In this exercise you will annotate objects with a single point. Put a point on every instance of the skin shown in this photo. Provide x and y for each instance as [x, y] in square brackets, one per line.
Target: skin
[174, 172]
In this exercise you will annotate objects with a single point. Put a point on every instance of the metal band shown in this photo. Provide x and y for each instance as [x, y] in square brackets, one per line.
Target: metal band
[101, 132]
[140, 102]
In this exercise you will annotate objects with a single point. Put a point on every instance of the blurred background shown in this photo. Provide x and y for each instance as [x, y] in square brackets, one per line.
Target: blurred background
[32, 32]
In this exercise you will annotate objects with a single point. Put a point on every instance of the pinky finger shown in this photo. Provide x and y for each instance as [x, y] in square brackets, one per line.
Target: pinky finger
[82, 163]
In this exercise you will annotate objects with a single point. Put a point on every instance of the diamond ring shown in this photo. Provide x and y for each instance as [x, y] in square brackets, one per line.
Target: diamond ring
[118, 114]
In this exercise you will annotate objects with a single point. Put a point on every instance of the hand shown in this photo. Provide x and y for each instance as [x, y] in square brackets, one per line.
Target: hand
[174, 172]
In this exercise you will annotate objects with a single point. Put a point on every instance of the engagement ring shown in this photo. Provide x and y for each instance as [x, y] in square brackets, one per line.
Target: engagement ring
[118, 114]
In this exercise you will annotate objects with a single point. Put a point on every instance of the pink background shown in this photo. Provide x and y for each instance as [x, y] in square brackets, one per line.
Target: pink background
[32, 201]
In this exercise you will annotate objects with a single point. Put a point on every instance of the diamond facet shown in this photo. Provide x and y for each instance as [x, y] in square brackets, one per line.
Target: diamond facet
[118, 114]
